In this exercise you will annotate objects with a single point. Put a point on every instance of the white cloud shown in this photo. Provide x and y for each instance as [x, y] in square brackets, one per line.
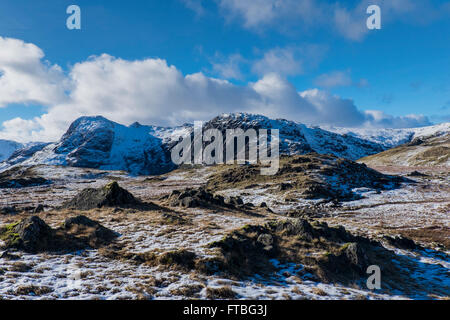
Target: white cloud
[25, 77]
[334, 79]
[258, 13]
[339, 79]
[230, 67]
[195, 5]
[351, 23]
[347, 18]
[285, 61]
[152, 92]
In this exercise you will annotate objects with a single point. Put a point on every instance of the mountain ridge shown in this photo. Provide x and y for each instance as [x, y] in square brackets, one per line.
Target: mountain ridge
[96, 142]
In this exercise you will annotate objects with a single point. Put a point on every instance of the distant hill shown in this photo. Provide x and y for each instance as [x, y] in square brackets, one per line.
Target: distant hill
[428, 146]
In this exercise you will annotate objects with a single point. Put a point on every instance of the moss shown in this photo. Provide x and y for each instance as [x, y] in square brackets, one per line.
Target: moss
[345, 246]
[8, 234]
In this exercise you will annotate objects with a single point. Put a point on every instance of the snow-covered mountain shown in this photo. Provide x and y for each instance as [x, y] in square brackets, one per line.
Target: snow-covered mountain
[297, 138]
[96, 142]
[390, 138]
[428, 146]
[7, 148]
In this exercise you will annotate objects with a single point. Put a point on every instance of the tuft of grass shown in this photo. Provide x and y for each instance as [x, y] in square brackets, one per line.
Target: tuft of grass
[225, 293]
[33, 290]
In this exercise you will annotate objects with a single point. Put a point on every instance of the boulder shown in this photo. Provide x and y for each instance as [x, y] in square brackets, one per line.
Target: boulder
[31, 234]
[34, 235]
[111, 195]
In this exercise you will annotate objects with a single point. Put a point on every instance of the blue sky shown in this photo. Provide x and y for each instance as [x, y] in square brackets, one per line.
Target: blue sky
[400, 70]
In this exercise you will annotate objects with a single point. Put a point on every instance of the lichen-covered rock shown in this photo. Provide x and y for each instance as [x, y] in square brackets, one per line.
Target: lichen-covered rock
[34, 235]
[31, 234]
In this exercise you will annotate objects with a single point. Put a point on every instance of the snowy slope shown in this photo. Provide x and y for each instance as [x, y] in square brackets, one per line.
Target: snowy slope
[298, 138]
[390, 138]
[95, 142]
[7, 148]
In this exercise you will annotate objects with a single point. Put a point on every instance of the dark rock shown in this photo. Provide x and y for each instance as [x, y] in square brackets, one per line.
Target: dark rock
[417, 174]
[266, 240]
[94, 232]
[234, 201]
[8, 210]
[34, 235]
[188, 202]
[285, 186]
[38, 209]
[356, 255]
[30, 234]
[17, 183]
[79, 221]
[194, 198]
[9, 256]
[111, 195]
[401, 242]
[298, 227]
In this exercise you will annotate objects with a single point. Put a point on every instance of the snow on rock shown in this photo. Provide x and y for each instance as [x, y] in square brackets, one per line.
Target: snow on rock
[297, 138]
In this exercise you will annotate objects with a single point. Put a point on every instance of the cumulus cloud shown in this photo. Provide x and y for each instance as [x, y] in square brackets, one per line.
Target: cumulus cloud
[285, 61]
[153, 92]
[25, 77]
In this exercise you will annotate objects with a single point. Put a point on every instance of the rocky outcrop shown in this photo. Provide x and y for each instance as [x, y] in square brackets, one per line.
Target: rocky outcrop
[110, 195]
[328, 254]
[34, 235]
[19, 177]
[311, 176]
[201, 198]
